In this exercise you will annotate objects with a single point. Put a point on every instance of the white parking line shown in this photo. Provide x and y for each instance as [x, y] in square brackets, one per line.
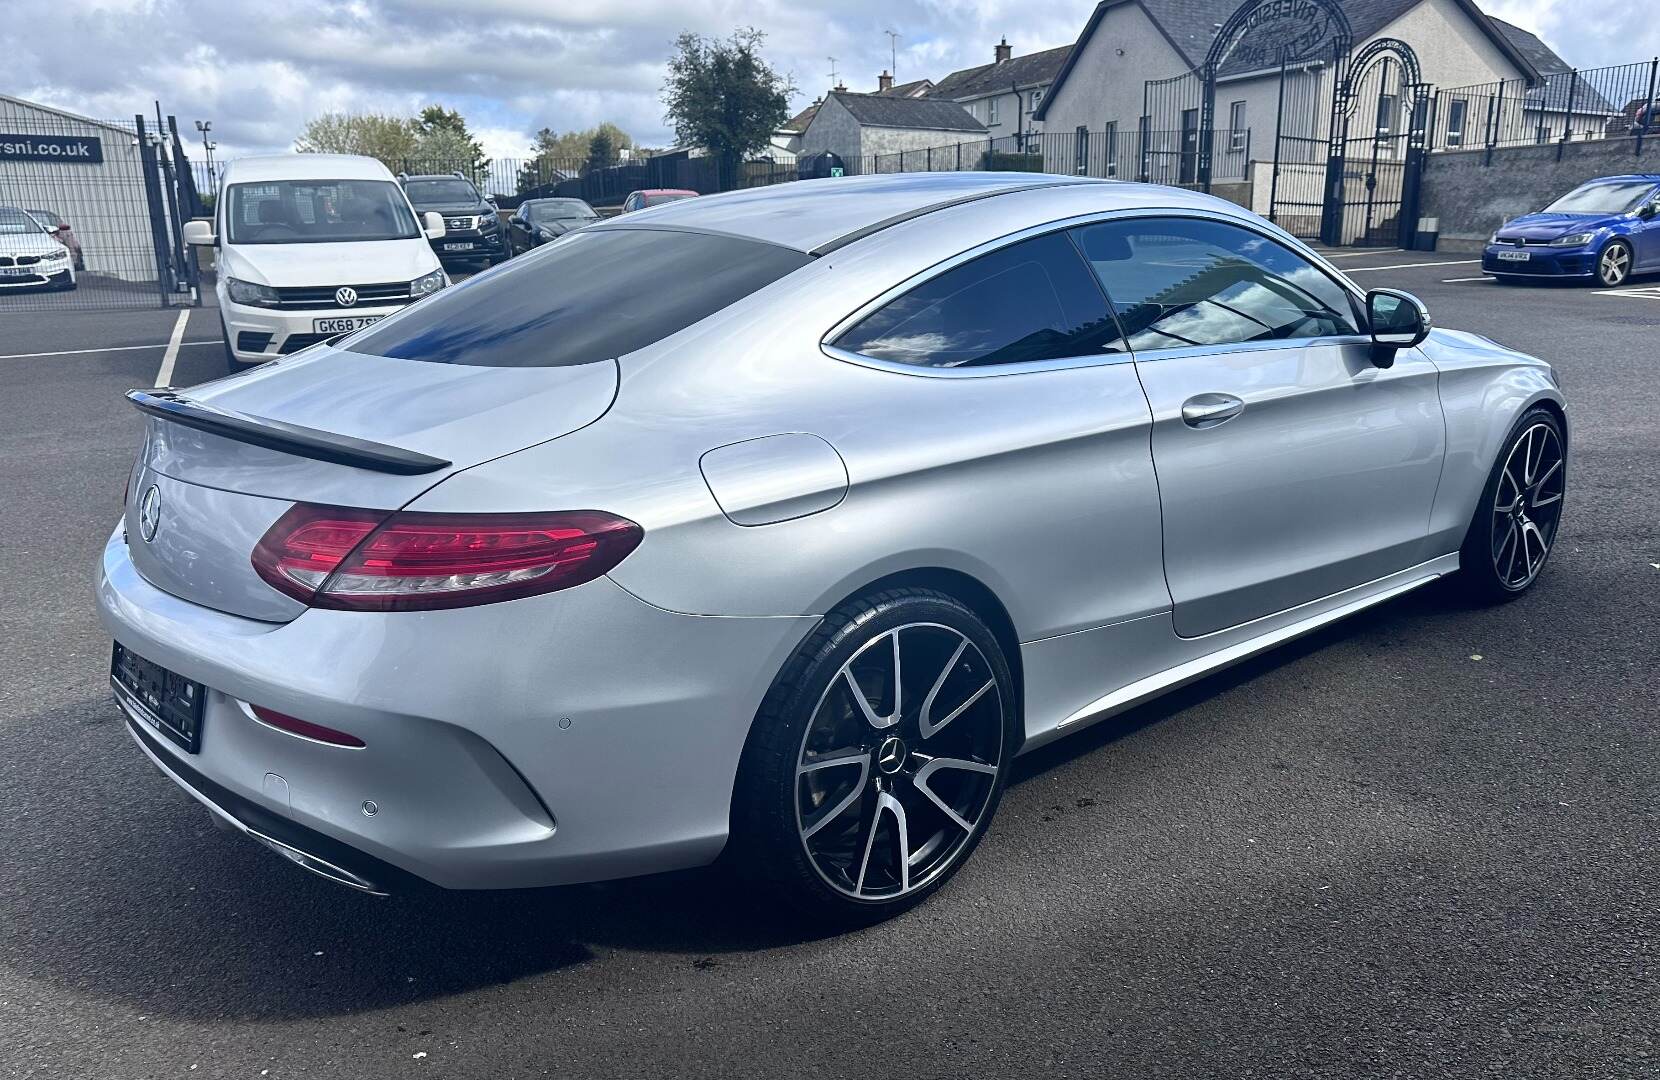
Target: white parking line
[1455, 280]
[1650, 292]
[110, 348]
[164, 374]
[1408, 266]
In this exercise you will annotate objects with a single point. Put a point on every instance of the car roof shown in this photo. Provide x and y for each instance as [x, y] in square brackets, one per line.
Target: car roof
[306, 167]
[407, 177]
[665, 191]
[820, 215]
[1623, 178]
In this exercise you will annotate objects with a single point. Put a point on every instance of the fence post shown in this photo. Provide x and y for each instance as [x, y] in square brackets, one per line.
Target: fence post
[1568, 118]
[158, 215]
[1645, 115]
[1490, 131]
[959, 157]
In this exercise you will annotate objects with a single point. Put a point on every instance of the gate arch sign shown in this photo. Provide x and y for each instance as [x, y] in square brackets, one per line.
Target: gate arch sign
[1281, 30]
[1269, 33]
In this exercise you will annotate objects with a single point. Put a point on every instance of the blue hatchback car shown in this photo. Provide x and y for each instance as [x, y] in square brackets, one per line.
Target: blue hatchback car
[1604, 230]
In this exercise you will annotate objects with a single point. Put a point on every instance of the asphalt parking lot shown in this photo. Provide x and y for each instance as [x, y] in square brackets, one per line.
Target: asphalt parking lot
[1421, 843]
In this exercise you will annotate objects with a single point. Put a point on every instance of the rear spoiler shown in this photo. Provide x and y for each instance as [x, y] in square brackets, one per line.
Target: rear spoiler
[288, 438]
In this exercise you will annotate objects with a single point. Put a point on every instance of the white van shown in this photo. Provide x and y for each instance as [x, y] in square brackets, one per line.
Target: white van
[311, 246]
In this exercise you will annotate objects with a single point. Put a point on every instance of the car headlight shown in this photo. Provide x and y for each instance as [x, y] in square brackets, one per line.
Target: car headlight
[485, 221]
[427, 284]
[250, 293]
[548, 232]
[54, 256]
[1578, 239]
[1493, 239]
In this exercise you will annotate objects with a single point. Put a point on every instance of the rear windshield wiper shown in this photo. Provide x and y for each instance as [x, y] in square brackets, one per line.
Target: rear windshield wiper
[289, 438]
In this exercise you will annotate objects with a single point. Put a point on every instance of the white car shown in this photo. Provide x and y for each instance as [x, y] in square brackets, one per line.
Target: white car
[312, 246]
[30, 256]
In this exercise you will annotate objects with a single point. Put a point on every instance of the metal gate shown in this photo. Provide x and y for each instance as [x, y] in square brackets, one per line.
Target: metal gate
[115, 194]
[1347, 133]
[1385, 108]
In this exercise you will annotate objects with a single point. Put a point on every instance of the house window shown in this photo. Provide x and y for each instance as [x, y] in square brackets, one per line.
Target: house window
[991, 111]
[1111, 137]
[1081, 152]
[1387, 104]
[1457, 110]
[1236, 127]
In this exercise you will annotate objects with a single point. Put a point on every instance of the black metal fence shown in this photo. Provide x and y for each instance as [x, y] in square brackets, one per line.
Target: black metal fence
[112, 193]
[1590, 103]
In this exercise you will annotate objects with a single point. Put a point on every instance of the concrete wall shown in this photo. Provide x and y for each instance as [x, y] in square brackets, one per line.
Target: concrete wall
[834, 129]
[1014, 115]
[877, 140]
[1473, 199]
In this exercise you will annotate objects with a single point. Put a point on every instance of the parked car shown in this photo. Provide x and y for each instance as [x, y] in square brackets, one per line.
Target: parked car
[312, 246]
[472, 226]
[59, 228]
[639, 200]
[31, 255]
[1603, 231]
[873, 512]
[537, 221]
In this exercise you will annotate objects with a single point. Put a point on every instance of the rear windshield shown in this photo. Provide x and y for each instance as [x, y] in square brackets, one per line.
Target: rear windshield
[588, 297]
[659, 200]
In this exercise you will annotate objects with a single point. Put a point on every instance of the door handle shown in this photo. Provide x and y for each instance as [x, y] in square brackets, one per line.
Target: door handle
[1208, 410]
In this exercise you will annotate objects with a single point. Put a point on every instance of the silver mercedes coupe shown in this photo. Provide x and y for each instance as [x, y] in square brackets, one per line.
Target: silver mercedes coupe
[770, 527]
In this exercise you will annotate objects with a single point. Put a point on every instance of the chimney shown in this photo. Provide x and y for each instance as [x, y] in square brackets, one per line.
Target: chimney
[884, 81]
[1003, 51]
[840, 87]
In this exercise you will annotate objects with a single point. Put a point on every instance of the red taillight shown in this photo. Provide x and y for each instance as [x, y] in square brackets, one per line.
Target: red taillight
[305, 728]
[369, 560]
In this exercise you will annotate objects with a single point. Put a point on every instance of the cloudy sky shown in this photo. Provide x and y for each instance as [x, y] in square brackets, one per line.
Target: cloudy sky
[259, 68]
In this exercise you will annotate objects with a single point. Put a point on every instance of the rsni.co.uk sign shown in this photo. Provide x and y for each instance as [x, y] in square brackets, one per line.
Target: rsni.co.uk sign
[85, 150]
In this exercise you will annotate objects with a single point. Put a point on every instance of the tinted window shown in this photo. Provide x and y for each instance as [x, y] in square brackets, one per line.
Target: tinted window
[588, 297]
[1029, 301]
[1177, 282]
[659, 200]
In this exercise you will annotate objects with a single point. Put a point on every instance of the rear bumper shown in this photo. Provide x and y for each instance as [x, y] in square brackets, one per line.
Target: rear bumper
[1541, 262]
[572, 737]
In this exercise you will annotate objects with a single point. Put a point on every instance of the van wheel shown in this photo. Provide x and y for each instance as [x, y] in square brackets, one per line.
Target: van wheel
[877, 758]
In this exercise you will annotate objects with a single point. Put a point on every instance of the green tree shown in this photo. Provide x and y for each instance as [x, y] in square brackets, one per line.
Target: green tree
[443, 142]
[388, 139]
[722, 96]
[555, 156]
[602, 150]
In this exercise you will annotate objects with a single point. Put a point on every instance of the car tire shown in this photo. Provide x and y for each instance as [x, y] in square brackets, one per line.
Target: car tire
[1614, 264]
[1517, 518]
[828, 790]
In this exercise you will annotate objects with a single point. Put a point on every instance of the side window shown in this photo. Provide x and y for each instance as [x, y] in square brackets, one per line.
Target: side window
[1177, 282]
[1033, 300]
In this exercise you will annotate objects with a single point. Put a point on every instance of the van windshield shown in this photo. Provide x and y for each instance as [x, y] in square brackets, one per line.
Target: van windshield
[317, 212]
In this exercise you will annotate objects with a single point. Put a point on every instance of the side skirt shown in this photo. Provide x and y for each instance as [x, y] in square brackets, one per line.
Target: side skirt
[1224, 648]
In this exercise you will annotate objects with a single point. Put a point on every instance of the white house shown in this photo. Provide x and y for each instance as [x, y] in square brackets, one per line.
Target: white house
[1125, 44]
[870, 132]
[1005, 94]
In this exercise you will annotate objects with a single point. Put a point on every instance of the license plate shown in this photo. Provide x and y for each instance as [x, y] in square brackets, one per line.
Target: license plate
[344, 324]
[1515, 256]
[458, 247]
[169, 703]
[16, 271]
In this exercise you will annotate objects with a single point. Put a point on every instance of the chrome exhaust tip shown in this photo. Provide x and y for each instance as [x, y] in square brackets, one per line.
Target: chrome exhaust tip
[321, 867]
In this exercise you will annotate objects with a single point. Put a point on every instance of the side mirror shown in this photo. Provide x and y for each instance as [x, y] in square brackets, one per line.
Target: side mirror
[433, 223]
[1398, 320]
[1647, 210]
[199, 233]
